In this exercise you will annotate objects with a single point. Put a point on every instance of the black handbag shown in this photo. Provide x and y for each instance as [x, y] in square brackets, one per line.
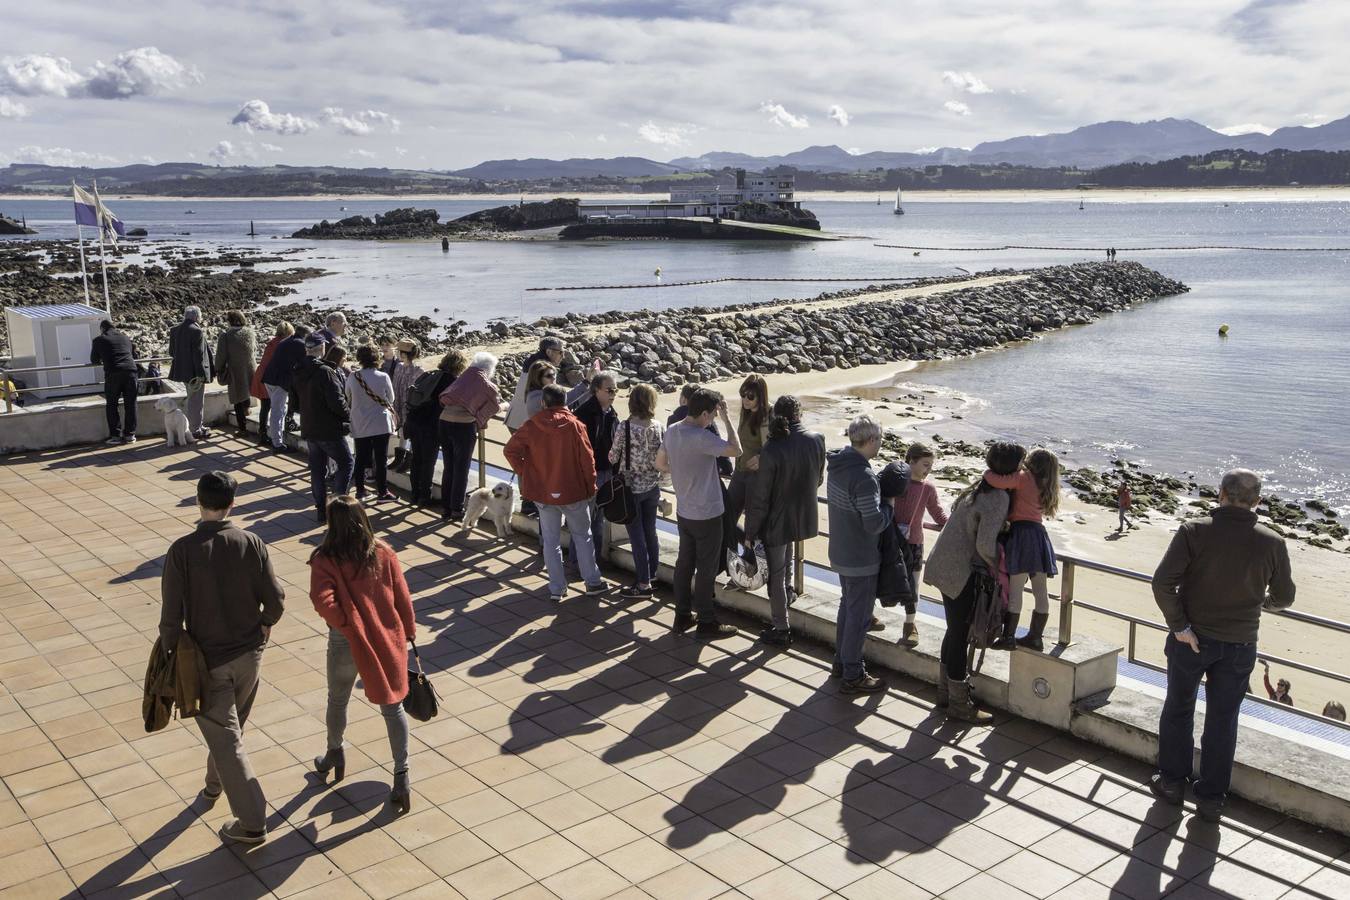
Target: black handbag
[615, 497]
[421, 702]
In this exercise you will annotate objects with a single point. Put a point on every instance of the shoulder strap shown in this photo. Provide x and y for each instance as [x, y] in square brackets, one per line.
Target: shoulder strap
[627, 445]
[371, 394]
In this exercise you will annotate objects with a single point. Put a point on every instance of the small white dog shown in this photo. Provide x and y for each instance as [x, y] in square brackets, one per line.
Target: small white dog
[175, 422]
[497, 502]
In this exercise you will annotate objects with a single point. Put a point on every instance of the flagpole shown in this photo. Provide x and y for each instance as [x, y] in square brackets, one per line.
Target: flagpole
[79, 234]
[102, 255]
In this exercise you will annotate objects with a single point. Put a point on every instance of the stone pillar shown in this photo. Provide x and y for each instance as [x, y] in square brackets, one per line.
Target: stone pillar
[1045, 686]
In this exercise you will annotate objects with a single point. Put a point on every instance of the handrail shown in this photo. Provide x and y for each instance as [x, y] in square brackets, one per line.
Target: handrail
[11, 394]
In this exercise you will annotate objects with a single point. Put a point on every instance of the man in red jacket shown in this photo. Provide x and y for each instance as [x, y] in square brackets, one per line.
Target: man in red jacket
[552, 455]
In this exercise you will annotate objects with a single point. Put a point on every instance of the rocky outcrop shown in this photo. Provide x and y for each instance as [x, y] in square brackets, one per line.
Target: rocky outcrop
[767, 214]
[524, 216]
[397, 224]
[11, 226]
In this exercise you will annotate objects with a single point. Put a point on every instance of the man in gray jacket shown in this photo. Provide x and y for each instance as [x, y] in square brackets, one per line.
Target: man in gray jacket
[193, 365]
[857, 518]
[1217, 576]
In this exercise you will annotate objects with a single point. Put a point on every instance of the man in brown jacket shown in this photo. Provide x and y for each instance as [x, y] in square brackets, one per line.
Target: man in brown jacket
[1217, 576]
[218, 585]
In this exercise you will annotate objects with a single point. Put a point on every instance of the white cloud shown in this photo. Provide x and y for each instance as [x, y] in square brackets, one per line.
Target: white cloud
[401, 151]
[364, 154]
[132, 73]
[225, 151]
[924, 150]
[853, 151]
[957, 107]
[256, 115]
[968, 82]
[358, 124]
[840, 115]
[665, 135]
[779, 115]
[12, 109]
[1247, 128]
[600, 138]
[270, 148]
[61, 156]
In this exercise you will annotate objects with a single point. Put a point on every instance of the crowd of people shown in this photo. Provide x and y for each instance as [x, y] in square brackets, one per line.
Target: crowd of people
[744, 490]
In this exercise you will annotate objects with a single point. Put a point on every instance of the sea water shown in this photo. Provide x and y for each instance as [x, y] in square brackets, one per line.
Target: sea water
[1155, 383]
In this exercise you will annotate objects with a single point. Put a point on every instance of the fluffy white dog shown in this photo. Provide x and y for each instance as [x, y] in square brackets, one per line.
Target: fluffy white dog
[497, 502]
[175, 422]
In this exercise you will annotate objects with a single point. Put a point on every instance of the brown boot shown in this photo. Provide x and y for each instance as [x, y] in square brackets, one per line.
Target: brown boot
[910, 636]
[961, 705]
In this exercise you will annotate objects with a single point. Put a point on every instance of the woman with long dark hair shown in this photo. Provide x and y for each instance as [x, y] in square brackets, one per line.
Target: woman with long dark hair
[753, 431]
[421, 426]
[356, 585]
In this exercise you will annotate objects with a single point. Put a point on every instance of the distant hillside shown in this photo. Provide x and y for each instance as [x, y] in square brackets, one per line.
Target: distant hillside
[198, 180]
[623, 166]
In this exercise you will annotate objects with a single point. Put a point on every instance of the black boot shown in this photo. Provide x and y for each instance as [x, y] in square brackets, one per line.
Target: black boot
[334, 761]
[400, 797]
[400, 462]
[1032, 639]
[1008, 640]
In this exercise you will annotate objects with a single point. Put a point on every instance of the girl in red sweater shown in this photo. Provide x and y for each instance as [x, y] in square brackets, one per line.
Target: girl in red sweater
[922, 497]
[1030, 555]
[356, 584]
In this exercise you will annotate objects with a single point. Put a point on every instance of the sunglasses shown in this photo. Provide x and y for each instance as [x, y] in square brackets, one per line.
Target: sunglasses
[748, 396]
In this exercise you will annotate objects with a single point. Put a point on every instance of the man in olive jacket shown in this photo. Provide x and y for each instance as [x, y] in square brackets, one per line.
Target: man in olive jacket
[219, 587]
[1217, 576]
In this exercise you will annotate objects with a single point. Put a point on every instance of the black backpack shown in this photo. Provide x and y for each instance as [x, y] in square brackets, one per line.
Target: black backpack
[986, 618]
[422, 392]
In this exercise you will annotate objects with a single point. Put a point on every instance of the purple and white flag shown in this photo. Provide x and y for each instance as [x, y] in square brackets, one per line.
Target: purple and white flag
[90, 211]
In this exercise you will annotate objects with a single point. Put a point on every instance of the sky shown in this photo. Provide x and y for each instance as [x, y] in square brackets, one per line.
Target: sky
[430, 84]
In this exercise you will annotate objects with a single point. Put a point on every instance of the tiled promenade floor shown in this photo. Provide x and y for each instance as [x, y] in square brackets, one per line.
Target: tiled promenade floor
[582, 752]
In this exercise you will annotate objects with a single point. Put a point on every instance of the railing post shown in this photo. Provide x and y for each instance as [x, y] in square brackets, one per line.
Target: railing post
[1066, 604]
[798, 567]
[482, 457]
[4, 383]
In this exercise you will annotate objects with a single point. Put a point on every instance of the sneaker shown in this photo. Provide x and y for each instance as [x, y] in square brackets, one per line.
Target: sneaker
[385, 497]
[683, 622]
[233, 831]
[599, 589]
[115, 439]
[776, 637]
[715, 631]
[129, 439]
[202, 433]
[1208, 809]
[875, 625]
[556, 598]
[867, 684]
[633, 592]
[1168, 791]
[211, 796]
[836, 669]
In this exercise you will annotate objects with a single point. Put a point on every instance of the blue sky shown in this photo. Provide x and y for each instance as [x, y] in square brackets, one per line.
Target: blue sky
[430, 84]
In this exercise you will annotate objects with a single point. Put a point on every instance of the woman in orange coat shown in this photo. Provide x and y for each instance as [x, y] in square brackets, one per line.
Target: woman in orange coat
[357, 586]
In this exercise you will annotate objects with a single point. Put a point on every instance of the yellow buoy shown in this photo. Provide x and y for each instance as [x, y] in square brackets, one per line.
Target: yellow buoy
[1223, 331]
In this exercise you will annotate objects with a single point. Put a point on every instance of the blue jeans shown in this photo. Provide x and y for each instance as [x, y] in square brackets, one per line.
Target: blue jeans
[597, 523]
[1226, 668]
[642, 536]
[855, 614]
[320, 452]
[578, 518]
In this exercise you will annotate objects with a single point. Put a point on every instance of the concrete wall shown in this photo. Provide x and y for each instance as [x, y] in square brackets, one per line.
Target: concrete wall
[83, 420]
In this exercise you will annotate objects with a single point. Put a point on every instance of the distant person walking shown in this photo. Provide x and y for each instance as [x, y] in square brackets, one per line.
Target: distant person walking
[921, 498]
[370, 396]
[235, 353]
[689, 453]
[324, 423]
[279, 379]
[552, 456]
[192, 365]
[405, 374]
[857, 518]
[781, 506]
[636, 443]
[467, 406]
[112, 349]
[1217, 576]
[258, 388]
[1124, 502]
[967, 549]
[1030, 555]
[218, 587]
[1279, 691]
[421, 425]
[357, 587]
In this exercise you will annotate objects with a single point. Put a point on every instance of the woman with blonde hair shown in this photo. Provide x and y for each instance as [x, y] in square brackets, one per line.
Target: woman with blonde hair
[633, 455]
[357, 586]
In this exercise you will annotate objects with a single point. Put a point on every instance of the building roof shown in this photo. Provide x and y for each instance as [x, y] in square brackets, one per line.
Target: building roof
[55, 311]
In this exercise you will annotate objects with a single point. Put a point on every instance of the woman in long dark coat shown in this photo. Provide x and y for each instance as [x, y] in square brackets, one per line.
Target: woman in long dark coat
[235, 364]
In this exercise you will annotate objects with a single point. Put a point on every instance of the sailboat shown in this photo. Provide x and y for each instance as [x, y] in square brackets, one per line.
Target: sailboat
[878, 199]
[899, 210]
[252, 232]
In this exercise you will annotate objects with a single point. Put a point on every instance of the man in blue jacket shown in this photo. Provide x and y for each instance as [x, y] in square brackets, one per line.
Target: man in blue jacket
[857, 518]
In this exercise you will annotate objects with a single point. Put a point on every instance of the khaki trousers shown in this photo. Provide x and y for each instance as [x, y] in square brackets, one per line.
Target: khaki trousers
[231, 689]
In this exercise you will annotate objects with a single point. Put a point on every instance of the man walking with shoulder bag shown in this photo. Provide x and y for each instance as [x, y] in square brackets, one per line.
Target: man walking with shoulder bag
[219, 588]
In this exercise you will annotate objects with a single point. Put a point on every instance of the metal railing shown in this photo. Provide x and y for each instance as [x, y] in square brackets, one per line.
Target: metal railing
[1069, 569]
[11, 395]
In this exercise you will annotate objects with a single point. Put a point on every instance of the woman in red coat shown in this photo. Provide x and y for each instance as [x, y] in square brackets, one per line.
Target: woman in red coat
[356, 584]
[256, 388]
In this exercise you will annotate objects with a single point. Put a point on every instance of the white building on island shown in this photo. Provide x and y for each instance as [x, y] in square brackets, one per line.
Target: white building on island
[774, 190]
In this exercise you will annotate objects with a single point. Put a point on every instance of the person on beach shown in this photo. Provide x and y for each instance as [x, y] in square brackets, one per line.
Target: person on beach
[598, 415]
[324, 422]
[112, 349]
[1030, 555]
[421, 426]
[752, 429]
[1124, 501]
[540, 374]
[781, 507]
[467, 406]
[552, 455]
[636, 443]
[357, 587]
[258, 388]
[1334, 710]
[857, 517]
[404, 375]
[921, 498]
[1218, 575]
[218, 586]
[1279, 692]
[689, 453]
[370, 396]
[967, 548]
[193, 365]
[279, 379]
[235, 352]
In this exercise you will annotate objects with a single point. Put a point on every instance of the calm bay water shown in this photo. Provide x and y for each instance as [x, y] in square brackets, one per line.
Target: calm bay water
[1155, 383]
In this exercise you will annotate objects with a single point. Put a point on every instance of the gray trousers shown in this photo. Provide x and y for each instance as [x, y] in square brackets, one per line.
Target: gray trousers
[341, 679]
[193, 408]
[780, 584]
[230, 691]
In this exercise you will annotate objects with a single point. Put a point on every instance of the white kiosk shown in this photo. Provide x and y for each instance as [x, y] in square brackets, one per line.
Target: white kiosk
[54, 335]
